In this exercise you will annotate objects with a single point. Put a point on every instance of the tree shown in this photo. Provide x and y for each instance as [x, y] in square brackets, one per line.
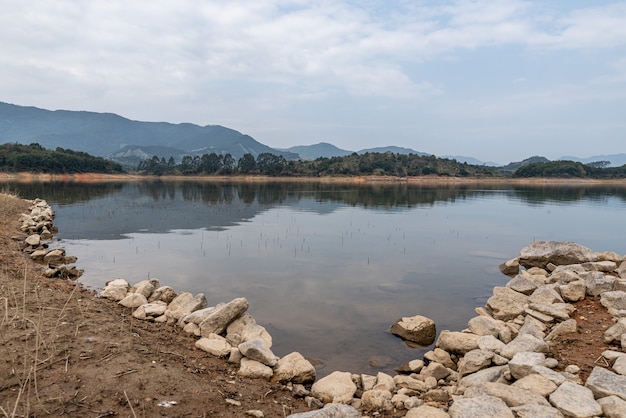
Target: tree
[246, 164]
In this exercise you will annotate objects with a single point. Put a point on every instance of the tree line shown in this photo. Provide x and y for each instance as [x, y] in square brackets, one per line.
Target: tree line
[382, 164]
[34, 158]
[571, 169]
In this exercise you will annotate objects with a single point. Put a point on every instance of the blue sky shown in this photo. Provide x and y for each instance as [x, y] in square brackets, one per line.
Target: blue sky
[498, 80]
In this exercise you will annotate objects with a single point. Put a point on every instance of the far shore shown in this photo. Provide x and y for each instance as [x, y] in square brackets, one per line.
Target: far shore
[422, 180]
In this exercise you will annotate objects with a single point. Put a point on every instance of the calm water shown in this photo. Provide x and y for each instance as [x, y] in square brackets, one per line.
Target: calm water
[327, 268]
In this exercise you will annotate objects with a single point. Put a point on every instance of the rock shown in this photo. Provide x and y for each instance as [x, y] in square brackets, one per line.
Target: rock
[565, 327]
[483, 325]
[150, 310]
[368, 381]
[254, 370]
[575, 401]
[256, 413]
[614, 300]
[385, 382]
[511, 395]
[474, 360]
[533, 327]
[560, 311]
[408, 382]
[235, 355]
[457, 342]
[256, 350]
[332, 411]
[522, 284]
[603, 382]
[536, 411]
[417, 329]
[440, 356]
[133, 300]
[491, 374]
[190, 328]
[223, 316]
[603, 266]
[337, 387]
[573, 291]
[537, 384]
[491, 343]
[620, 365]
[115, 290]
[294, 368]
[196, 317]
[144, 287]
[545, 295]
[164, 293]
[510, 268]
[54, 257]
[413, 366]
[556, 378]
[178, 301]
[615, 332]
[378, 400]
[480, 407]
[522, 363]
[613, 407]
[539, 316]
[524, 342]
[540, 253]
[33, 240]
[436, 370]
[506, 303]
[245, 328]
[597, 283]
[426, 411]
[217, 347]
[185, 308]
[38, 255]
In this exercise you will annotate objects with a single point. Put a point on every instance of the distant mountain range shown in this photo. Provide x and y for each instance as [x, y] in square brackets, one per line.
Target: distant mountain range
[129, 142]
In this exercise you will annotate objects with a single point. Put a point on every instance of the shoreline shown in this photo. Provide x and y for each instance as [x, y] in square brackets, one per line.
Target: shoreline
[422, 180]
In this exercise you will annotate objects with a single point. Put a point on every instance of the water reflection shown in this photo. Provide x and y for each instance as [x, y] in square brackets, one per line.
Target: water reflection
[327, 268]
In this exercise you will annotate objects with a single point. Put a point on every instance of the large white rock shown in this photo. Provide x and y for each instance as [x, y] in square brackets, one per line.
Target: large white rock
[511, 395]
[573, 291]
[418, 329]
[337, 387]
[254, 369]
[522, 284]
[537, 384]
[484, 325]
[491, 374]
[560, 311]
[294, 368]
[223, 316]
[426, 411]
[603, 382]
[377, 400]
[522, 363]
[480, 407]
[546, 295]
[613, 406]
[245, 328]
[150, 310]
[474, 361]
[614, 300]
[115, 290]
[536, 411]
[598, 283]
[457, 342]
[195, 303]
[615, 332]
[133, 300]
[575, 401]
[144, 287]
[540, 253]
[257, 350]
[506, 303]
[524, 342]
[164, 294]
[565, 327]
[215, 346]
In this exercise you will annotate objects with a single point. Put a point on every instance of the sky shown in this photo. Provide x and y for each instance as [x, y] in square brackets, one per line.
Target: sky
[498, 80]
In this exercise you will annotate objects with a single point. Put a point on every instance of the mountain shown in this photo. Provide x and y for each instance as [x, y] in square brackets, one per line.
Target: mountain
[511, 167]
[615, 160]
[392, 149]
[323, 149]
[108, 134]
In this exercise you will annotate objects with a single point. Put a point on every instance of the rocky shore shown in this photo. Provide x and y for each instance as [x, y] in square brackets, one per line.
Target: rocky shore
[499, 366]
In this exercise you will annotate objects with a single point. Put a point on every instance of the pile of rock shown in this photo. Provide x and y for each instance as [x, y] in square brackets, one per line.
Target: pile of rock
[225, 330]
[38, 230]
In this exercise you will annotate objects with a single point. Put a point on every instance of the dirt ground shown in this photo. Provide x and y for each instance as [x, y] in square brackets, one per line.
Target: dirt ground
[65, 352]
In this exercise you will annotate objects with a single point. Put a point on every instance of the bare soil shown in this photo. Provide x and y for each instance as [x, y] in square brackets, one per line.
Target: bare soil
[66, 352]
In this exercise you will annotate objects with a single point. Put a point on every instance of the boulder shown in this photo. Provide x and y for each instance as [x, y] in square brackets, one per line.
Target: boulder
[377, 400]
[615, 332]
[511, 395]
[614, 300]
[474, 361]
[524, 342]
[115, 290]
[484, 325]
[565, 327]
[560, 311]
[573, 291]
[338, 410]
[522, 363]
[245, 328]
[256, 350]
[337, 387]
[33, 240]
[575, 401]
[440, 356]
[133, 300]
[603, 382]
[490, 343]
[54, 257]
[522, 284]
[254, 369]
[613, 406]
[436, 370]
[214, 345]
[510, 268]
[491, 374]
[223, 316]
[545, 294]
[541, 253]
[536, 411]
[144, 287]
[480, 406]
[150, 310]
[457, 342]
[164, 293]
[417, 329]
[294, 368]
[537, 384]
[426, 411]
[506, 303]
[598, 283]
[187, 306]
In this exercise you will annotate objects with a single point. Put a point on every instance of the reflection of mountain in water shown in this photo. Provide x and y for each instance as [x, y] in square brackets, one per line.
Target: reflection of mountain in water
[159, 206]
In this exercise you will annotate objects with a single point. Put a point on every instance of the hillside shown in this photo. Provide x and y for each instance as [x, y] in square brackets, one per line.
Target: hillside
[106, 134]
[323, 150]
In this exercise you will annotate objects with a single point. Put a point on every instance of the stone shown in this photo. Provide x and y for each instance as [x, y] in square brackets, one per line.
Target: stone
[522, 363]
[294, 368]
[257, 350]
[385, 382]
[144, 287]
[573, 291]
[133, 300]
[115, 290]
[480, 407]
[560, 311]
[603, 382]
[368, 382]
[539, 315]
[491, 343]
[223, 316]
[436, 370]
[536, 411]
[457, 342]
[510, 268]
[54, 257]
[418, 329]
[522, 284]
[254, 370]
[195, 303]
[545, 294]
[620, 365]
[256, 413]
[337, 387]
[413, 366]
[573, 369]
[164, 294]
[217, 347]
[615, 332]
[337, 410]
[540, 253]
[563, 328]
[603, 266]
[575, 401]
[506, 303]
[245, 328]
[533, 327]
[613, 407]
[33, 240]
[474, 361]
[491, 374]
[524, 342]
[555, 377]
[178, 301]
[38, 255]
[598, 283]
[426, 411]
[235, 355]
[378, 400]
[511, 395]
[614, 300]
[537, 384]
[190, 328]
[408, 382]
[150, 310]
[196, 317]
[440, 356]
[484, 325]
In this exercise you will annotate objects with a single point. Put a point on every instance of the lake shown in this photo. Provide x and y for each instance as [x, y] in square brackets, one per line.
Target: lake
[327, 268]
